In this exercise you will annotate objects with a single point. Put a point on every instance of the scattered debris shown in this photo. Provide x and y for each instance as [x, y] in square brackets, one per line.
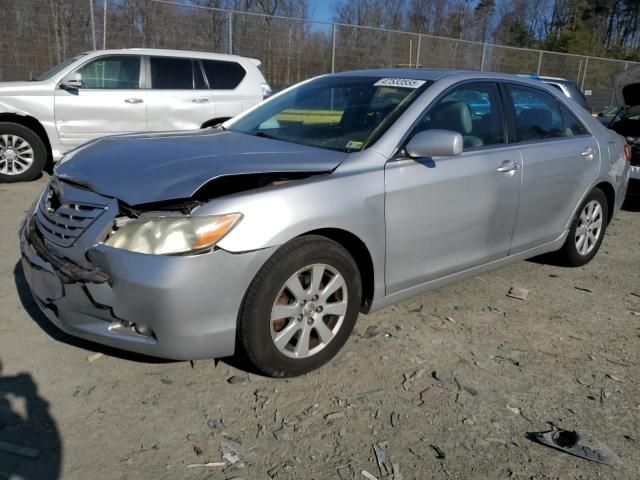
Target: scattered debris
[508, 359]
[217, 423]
[395, 418]
[518, 411]
[449, 319]
[94, 357]
[614, 378]
[433, 397]
[634, 313]
[208, 464]
[582, 382]
[284, 433]
[409, 379]
[368, 475]
[518, 293]
[166, 381]
[385, 471]
[629, 438]
[372, 331]
[441, 377]
[583, 289]
[197, 450]
[230, 454]
[334, 415]
[470, 390]
[19, 449]
[238, 380]
[417, 310]
[440, 455]
[495, 310]
[569, 441]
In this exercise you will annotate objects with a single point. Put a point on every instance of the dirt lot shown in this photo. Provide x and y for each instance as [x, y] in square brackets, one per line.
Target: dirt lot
[567, 356]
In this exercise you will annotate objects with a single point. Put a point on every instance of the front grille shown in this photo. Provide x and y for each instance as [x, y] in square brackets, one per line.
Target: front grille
[61, 221]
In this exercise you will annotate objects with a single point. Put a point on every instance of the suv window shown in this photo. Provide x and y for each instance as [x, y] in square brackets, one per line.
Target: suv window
[112, 72]
[171, 73]
[473, 110]
[223, 75]
[537, 114]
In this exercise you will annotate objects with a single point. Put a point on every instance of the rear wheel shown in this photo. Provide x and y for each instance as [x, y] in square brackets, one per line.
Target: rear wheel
[587, 230]
[22, 153]
[300, 308]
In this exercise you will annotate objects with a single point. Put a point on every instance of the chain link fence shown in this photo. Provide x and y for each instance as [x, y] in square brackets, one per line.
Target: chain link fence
[35, 35]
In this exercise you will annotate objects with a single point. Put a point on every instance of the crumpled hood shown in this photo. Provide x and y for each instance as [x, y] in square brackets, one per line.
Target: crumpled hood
[627, 87]
[149, 168]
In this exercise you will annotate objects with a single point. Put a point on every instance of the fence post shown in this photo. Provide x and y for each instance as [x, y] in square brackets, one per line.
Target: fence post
[539, 63]
[230, 27]
[484, 55]
[104, 25]
[418, 51]
[333, 48]
[584, 73]
[93, 25]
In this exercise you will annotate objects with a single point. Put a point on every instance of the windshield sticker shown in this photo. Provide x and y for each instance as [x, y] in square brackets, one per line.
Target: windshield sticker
[399, 82]
[353, 145]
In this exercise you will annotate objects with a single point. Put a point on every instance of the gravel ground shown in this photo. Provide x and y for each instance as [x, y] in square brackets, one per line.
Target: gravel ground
[461, 373]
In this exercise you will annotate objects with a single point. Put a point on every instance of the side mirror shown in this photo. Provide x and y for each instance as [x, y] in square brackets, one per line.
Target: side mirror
[435, 143]
[72, 81]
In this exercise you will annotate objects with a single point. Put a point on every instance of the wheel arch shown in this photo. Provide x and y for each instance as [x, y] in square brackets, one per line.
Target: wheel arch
[360, 253]
[610, 193]
[32, 124]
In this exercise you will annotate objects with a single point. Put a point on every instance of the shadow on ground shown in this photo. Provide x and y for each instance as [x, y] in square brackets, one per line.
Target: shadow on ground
[30, 445]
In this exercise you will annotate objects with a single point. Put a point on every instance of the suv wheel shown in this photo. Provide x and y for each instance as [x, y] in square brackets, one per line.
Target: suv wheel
[587, 230]
[22, 153]
[300, 308]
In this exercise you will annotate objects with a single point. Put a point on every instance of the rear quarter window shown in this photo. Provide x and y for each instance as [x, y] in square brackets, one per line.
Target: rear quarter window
[223, 75]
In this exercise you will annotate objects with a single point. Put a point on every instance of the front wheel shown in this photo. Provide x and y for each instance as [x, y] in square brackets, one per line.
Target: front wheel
[22, 153]
[300, 308]
[587, 230]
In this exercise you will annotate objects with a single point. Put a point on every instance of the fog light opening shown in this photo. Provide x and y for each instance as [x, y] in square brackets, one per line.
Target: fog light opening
[124, 327]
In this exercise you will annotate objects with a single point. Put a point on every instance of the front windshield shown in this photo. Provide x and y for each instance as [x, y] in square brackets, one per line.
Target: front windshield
[59, 67]
[340, 113]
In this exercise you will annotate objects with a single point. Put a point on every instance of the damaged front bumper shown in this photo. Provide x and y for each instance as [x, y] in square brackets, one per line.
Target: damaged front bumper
[175, 307]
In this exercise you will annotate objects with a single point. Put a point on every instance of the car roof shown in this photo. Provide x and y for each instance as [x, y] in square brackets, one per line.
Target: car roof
[433, 74]
[173, 53]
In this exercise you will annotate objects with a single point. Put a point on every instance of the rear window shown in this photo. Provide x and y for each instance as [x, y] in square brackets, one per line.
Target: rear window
[171, 73]
[223, 75]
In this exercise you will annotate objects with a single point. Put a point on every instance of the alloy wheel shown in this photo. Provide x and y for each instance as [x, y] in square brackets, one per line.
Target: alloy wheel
[16, 154]
[309, 311]
[589, 228]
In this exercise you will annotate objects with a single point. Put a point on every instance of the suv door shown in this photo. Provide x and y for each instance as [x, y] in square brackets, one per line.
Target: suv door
[178, 98]
[560, 160]
[109, 101]
[447, 214]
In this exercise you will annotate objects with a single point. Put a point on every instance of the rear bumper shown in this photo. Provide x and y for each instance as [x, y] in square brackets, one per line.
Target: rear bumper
[635, 172]
[176, 307]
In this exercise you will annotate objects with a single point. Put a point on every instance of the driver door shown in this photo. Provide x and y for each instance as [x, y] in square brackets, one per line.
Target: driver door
[448, 214]
[109, 101]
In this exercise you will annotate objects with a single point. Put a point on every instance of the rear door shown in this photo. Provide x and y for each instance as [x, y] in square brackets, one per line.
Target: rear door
[109, 101]
[178, 97]
[560, 160]
[447, 214]
[232, 88]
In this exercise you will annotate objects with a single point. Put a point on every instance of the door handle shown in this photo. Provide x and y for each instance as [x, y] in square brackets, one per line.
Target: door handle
[133, 100]
[200, 100]
[508, 166]
[588, 153]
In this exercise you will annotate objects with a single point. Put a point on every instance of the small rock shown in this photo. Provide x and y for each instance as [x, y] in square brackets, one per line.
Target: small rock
[166, 381]
[197, 450]
[217, 423]
[334, 415]
[94, 357]
[238, 380]
[395, 418]
[518, 293]
[433, 397]
[284, 433]
[614, 378]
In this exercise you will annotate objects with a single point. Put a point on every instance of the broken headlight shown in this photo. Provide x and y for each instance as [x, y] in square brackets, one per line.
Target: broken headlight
[172, 235]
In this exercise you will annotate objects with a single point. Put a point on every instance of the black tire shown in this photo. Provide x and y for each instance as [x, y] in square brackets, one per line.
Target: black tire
[39, 152]
[569, 254]
[254, 323]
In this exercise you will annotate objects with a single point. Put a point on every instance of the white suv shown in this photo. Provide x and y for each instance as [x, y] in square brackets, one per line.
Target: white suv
[117, 91]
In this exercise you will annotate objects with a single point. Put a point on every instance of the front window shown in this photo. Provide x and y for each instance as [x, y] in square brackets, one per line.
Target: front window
[58, 68]
[337, 113]
[114, 72]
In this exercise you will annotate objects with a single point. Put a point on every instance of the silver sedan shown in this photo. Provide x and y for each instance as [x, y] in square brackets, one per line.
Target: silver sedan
[343, 194]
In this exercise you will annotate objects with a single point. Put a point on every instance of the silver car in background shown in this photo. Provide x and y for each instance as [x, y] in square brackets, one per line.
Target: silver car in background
[340, 195]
